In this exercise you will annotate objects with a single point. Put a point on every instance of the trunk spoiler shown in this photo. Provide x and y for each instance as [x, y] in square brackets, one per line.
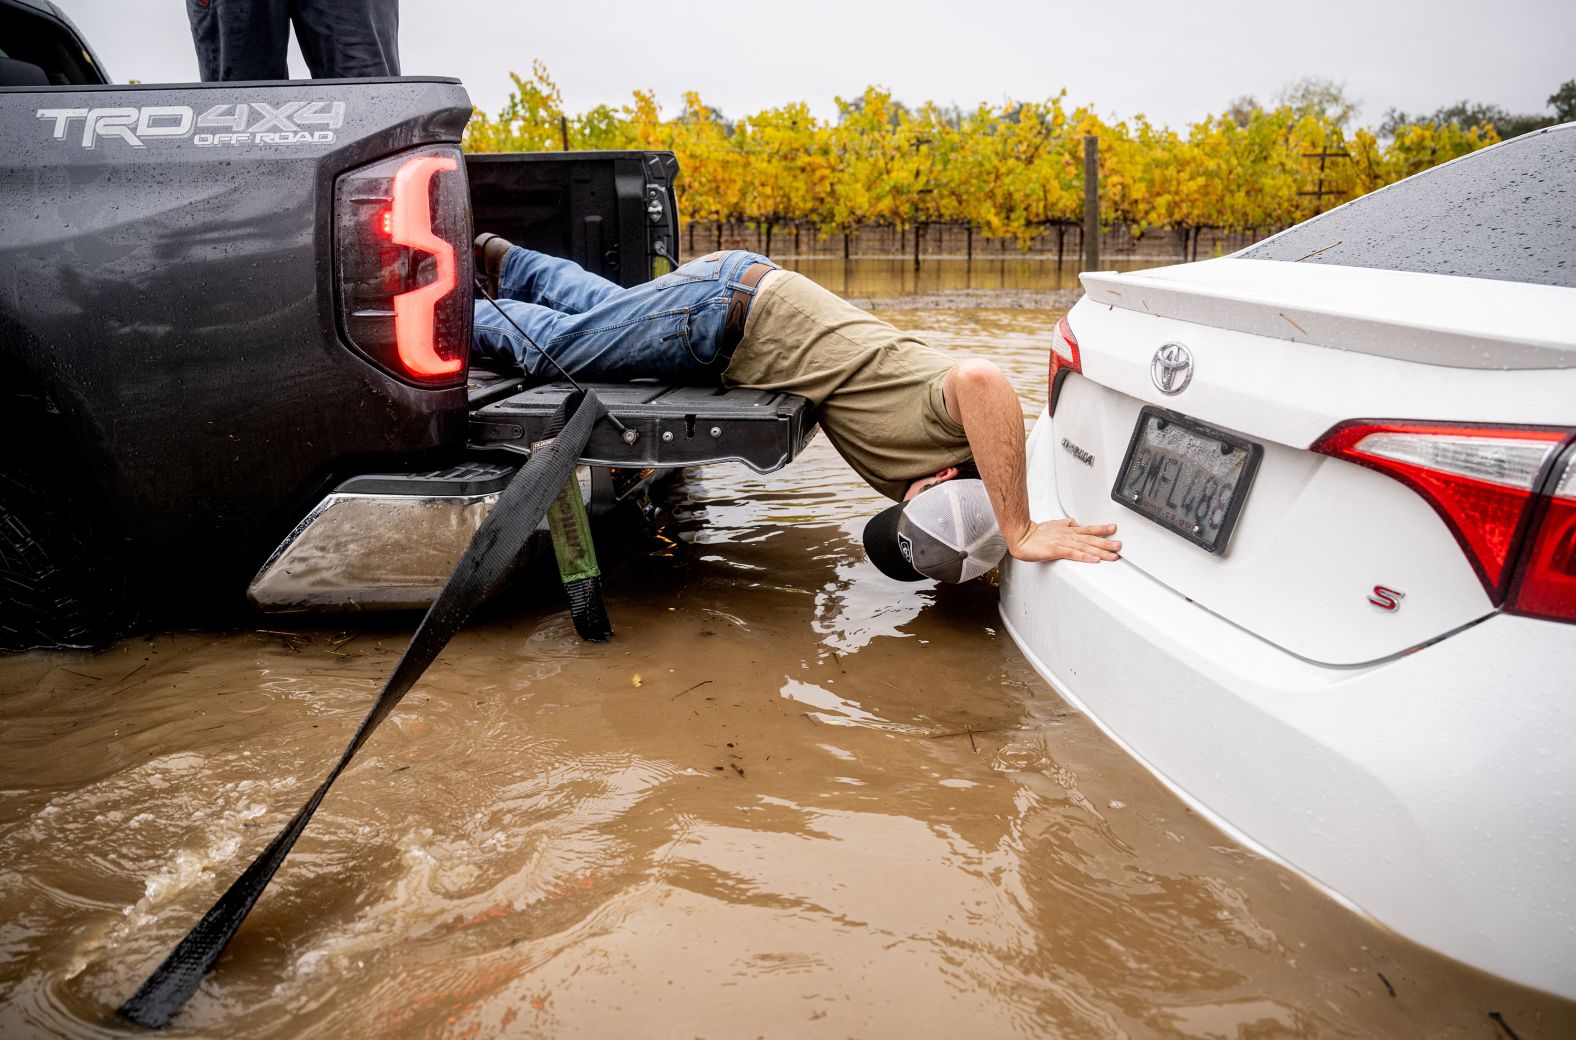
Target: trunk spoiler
[1425, 318]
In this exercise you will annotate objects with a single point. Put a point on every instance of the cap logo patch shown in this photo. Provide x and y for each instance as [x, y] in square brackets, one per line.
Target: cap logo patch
[906, 547]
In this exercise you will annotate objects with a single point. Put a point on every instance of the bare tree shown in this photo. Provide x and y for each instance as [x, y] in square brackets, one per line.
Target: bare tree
[1242, 109]
[1563, 101]
[1322, 98]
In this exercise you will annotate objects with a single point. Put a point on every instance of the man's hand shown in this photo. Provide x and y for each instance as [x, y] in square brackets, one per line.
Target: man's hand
[979, 396]
[1064, 540]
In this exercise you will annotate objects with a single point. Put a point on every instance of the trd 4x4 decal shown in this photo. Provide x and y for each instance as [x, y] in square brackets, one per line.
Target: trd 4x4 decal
[255, 122]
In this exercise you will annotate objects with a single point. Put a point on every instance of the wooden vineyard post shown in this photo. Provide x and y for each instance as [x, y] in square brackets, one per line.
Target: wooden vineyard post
[1319, 193]
[1091, 228]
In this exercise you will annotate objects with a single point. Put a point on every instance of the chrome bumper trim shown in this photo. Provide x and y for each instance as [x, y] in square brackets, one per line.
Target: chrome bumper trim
[369, 552]
[373, 551]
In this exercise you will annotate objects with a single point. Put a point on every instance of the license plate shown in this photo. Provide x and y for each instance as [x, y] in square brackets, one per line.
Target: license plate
[1187, 477]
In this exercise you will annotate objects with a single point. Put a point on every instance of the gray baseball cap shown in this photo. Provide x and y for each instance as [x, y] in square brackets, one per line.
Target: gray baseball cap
[947, 532]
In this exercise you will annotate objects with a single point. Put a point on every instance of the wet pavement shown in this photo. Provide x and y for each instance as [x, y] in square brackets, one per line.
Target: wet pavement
[790, 798]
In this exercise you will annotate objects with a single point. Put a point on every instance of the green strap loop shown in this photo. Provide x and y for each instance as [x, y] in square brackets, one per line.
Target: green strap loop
[577, 566]
[571, 529]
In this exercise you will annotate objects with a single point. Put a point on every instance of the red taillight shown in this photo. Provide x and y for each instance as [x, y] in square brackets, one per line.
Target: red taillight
[403, 259]
[415, 311]
[1545, 579]
[1481, 480]
[1064, 359]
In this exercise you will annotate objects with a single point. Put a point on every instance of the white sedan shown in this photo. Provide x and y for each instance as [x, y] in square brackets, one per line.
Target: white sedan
[1343, 462]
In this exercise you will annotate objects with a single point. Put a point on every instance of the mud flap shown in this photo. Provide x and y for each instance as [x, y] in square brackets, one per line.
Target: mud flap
[577, 566]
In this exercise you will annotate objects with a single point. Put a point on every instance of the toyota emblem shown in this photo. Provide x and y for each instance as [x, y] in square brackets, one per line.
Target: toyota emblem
[1172, 368]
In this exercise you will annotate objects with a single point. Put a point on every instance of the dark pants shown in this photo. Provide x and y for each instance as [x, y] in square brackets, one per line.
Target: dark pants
[340, 39]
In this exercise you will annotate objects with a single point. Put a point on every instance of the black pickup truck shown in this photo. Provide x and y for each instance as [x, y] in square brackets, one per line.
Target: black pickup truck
[234, 331]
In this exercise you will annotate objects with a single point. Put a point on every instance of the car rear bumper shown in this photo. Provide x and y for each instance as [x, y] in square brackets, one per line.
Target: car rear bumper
[1433, 791]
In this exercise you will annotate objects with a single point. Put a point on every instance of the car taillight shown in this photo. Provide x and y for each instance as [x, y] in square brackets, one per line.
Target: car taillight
[402, 247]
[1544, 584]
[1481, 480]
[1064, 359]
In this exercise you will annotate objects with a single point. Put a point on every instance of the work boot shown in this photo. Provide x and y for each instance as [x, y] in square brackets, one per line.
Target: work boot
[490, 250]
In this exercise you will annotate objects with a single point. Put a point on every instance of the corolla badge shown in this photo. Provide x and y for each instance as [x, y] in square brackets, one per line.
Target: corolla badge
[1076, 452]
[1172, 368]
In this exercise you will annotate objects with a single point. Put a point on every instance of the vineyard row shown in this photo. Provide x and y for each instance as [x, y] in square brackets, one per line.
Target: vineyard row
[1009, 172]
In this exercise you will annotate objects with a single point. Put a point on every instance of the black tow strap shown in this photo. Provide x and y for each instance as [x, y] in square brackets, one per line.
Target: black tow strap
[497, 543]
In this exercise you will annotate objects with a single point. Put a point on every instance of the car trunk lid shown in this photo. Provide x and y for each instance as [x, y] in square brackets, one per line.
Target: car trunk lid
[1329, 560]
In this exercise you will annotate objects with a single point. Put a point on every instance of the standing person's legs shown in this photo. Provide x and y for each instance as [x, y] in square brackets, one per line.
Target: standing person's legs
[240, 39]
[347, 39]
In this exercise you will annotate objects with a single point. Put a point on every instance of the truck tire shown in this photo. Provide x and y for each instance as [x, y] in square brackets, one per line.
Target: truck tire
[47, 585]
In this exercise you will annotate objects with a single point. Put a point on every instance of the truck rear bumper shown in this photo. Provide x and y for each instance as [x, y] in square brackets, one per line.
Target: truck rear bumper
[389, 541]
[380, 542]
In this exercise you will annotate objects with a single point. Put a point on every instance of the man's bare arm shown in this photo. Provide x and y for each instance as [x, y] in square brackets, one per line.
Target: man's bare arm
[979, 397]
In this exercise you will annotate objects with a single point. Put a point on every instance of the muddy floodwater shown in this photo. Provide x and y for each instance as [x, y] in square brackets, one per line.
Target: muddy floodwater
[790, 798]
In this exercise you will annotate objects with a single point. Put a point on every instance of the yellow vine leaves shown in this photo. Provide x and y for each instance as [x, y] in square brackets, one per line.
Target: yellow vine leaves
[1008, 170]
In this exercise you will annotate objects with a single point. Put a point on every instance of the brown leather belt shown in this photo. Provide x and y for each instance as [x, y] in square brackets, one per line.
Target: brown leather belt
[739, 306]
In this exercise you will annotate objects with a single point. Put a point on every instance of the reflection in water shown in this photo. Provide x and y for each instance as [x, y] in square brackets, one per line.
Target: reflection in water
[888, 277]
[833, 805]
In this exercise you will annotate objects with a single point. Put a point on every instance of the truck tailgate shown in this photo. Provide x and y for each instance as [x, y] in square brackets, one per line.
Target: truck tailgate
[665, 426]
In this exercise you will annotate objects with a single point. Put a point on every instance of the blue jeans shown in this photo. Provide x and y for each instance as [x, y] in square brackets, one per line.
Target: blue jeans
[668, 329]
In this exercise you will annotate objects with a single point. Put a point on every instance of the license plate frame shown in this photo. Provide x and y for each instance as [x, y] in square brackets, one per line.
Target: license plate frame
[1211, 536]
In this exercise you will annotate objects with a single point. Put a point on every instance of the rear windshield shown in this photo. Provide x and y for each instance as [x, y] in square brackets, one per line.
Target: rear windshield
[39, 51]
[1507, 212]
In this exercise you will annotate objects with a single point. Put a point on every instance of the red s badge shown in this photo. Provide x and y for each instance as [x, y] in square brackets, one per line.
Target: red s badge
[1386, 599]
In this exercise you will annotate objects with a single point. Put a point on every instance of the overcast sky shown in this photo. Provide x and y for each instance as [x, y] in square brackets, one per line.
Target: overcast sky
[1173, 61]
